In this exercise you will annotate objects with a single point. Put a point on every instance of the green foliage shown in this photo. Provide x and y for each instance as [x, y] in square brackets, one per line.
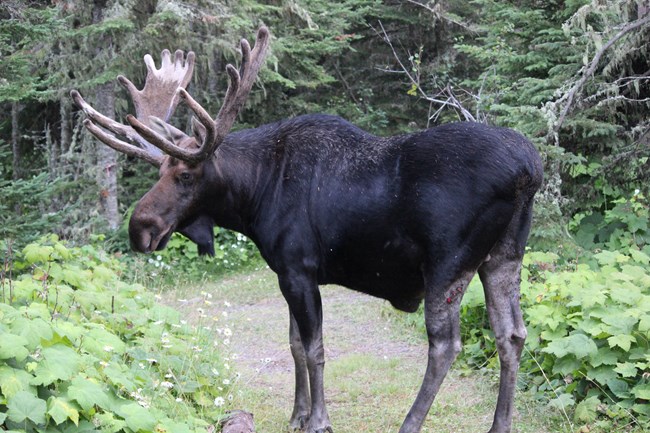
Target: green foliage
[21, 209]
[22, 30]
[623, 226]
[588, 345]
[180, 259]
[588, 334]
[83, 350]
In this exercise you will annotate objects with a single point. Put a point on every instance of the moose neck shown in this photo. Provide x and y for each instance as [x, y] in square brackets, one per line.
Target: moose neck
[238, 178]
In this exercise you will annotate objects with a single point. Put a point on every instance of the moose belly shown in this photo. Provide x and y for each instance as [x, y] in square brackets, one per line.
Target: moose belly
[388, 268]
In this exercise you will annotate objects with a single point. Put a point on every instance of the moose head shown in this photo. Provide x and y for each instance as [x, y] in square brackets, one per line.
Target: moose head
[184, 161]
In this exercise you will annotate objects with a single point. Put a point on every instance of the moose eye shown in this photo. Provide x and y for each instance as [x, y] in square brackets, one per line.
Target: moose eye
[185, 177]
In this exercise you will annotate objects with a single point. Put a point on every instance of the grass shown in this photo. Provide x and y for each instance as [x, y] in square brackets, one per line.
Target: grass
[374, 367]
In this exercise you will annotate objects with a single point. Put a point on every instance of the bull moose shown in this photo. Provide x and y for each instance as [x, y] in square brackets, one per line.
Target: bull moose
[408, 218]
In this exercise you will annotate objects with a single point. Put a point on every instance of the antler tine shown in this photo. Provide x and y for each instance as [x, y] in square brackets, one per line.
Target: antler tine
[120, 145]
[158, 98]
[146, 151]
[216, 130]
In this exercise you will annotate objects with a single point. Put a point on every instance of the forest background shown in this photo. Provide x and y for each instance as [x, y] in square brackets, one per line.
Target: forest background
[573, 76]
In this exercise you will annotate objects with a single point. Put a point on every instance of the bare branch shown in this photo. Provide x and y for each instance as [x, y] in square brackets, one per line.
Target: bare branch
[449, 101]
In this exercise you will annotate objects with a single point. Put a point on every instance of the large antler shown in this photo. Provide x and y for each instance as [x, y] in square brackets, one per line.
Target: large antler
[158, 98]
[216, 130]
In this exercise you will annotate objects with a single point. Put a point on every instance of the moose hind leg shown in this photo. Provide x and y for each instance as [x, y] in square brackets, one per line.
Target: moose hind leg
[442, 318]
[501, 279]
[302, 402]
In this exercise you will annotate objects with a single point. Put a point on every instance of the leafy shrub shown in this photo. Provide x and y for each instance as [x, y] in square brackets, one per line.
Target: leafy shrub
[82, 350]
[588, 334]
[622, 226]
[588, 345]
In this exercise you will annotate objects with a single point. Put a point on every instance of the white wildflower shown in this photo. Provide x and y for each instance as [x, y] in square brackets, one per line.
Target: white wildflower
[166, 384]
[219, 401]
[108, 348]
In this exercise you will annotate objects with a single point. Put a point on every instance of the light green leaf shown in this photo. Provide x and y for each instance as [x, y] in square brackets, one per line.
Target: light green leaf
[577, 344]
[626, 295]
[610, 258]
[644, 323]
[562, 401]
[13, 380]
[605, 355]
[34, 330]
[26, 406]
[623, 341]
[37, 253]
[640, 256]
[58, 362]
[109, 422]
[626, 369]
[88, 393]
[137, 418]
[13, 346]
[61, 410]
[642, 408]
[619, 323]
[642, 391]
[586, 410]
[103, 343]
[602, 374]
[619, 387]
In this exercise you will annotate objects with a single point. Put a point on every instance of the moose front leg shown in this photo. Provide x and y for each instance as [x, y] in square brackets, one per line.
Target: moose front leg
[303, 297]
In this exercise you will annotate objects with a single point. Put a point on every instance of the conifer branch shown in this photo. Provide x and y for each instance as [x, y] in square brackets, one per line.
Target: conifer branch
[570, 96]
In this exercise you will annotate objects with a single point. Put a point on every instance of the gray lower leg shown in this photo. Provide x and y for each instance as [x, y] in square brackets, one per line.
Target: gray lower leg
[302, 401]
[319, 421]
[443, 328]
[501, 284]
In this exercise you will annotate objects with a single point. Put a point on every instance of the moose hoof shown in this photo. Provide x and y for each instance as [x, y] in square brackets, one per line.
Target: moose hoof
[327, 429]
[299, 423]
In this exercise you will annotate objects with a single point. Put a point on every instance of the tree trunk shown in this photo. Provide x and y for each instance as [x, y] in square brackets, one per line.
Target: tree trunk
[66, 133]
[107, 161]
[15, 142]
[106, 157]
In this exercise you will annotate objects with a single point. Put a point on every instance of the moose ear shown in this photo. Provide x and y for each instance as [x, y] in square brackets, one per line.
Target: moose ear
[198, 129]
[168, 131]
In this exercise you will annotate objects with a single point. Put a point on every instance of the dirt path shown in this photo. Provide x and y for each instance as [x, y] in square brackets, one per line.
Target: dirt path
[373, 366]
